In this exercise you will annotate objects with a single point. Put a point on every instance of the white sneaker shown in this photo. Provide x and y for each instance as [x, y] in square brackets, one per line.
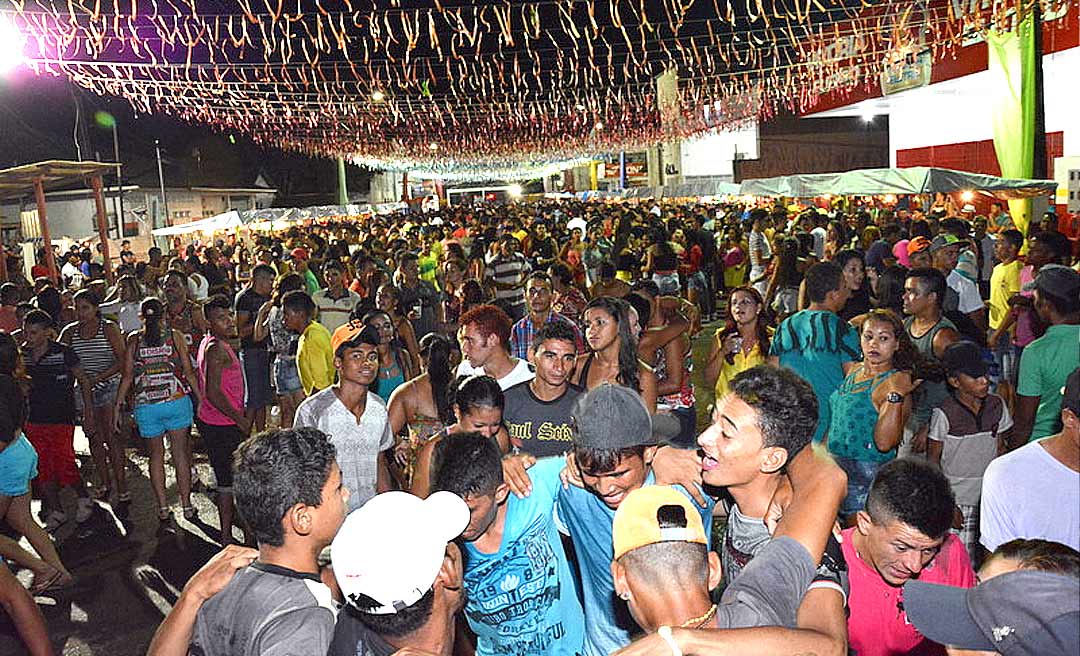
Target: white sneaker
[84, 510]
[55, 520]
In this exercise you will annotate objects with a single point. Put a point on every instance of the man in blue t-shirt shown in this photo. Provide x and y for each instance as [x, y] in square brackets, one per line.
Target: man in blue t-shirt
[522, 597]
[816, 343]
[613, 450]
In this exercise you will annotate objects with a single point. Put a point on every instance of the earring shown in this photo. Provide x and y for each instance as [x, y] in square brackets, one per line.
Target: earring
[625, 596]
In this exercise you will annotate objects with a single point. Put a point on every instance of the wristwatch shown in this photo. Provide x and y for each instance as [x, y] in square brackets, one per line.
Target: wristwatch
[894, 397]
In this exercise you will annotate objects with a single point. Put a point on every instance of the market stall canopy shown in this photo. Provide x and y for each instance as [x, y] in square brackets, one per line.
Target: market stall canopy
[223, 221]
[914, 180]
[684, 190]
[54, 174]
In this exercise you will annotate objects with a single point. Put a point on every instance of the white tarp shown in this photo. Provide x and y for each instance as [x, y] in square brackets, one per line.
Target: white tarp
[224, 221]
[914, 180]
[692, 189]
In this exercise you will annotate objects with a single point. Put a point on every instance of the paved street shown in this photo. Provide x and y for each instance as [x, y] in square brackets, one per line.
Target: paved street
[130, 569]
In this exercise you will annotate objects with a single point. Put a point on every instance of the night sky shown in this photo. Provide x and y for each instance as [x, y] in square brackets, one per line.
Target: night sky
[38, 122]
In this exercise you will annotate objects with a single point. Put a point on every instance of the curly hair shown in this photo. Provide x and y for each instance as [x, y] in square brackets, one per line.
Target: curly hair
[785, 404]
[277, 469]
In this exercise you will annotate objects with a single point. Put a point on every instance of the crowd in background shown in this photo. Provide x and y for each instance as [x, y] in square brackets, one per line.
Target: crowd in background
[502, 361]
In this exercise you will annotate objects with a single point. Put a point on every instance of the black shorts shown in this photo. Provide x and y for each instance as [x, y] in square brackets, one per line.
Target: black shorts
[220, 442]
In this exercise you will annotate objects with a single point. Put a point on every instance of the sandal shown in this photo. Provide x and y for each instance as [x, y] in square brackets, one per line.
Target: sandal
[163, 514]
[100, 492]
[190, 513]
[124, 497]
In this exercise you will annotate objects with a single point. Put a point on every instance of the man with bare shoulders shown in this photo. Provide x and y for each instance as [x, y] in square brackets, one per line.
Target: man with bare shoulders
[931, 333]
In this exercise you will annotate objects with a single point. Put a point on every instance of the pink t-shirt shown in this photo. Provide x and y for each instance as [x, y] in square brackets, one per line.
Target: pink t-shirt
[877, 623]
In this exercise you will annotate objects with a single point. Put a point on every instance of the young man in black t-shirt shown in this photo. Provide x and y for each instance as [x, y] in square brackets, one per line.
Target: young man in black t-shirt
[53, 369]
[537, 412]
[254, 354]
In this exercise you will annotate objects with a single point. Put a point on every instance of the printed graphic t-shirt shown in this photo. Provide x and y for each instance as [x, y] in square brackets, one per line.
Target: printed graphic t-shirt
[523, 598]
[816, 344]
[539, 428]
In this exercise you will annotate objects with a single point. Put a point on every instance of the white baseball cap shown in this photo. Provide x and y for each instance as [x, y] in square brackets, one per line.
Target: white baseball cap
[577, 223]
[391, 548]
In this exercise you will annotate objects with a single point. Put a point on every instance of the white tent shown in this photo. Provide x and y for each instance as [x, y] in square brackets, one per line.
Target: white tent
[914, 180]
[224, 221]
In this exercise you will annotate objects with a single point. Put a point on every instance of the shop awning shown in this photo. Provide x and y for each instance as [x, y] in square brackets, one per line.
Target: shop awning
[692, 189]
[914, 180]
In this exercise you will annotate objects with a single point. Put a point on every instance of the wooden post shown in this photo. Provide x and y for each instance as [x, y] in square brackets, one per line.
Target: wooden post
[43, 222]
[103, 230]
[3, 262]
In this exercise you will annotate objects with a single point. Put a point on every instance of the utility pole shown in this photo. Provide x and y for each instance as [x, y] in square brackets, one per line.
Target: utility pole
[342, 189]
[161, 183]
[119, 184]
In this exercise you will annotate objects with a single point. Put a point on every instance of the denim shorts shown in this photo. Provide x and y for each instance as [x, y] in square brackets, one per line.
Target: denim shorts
[18, 466]
[667, 282]
[104, 394]
[156, 419]
[860, 474]
[696, 281]
[286, 375]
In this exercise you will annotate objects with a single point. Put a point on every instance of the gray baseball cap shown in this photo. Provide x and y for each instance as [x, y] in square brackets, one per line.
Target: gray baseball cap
[1021, 613]
[614, 417]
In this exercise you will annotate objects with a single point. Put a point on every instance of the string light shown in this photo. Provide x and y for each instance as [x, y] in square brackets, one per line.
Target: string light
[492, 84]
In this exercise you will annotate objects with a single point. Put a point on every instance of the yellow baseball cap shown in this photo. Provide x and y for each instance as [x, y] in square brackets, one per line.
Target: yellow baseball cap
[655, 513]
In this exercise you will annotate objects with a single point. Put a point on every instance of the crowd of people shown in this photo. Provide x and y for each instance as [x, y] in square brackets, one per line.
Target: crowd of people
[482, 430]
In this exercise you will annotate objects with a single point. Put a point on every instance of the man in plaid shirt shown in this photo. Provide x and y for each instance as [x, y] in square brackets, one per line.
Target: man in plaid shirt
[538, 296]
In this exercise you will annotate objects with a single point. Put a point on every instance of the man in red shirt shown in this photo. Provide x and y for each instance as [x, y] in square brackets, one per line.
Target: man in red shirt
[901, 535]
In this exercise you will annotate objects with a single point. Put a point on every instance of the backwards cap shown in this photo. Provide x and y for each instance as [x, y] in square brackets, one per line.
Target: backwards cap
[655, 513]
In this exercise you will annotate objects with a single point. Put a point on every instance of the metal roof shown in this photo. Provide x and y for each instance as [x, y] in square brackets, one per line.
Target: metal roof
[19, 180]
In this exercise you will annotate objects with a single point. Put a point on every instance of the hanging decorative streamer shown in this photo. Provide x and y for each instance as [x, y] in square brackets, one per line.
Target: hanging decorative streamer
[484, 86]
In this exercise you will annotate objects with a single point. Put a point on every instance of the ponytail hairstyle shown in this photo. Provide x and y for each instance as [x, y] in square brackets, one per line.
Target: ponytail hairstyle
[478, 392]
[907, 357]
[435, 350]
[152, 311]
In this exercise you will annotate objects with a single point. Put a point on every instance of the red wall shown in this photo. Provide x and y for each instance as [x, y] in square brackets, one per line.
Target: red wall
[1058, 35]
[972, 156]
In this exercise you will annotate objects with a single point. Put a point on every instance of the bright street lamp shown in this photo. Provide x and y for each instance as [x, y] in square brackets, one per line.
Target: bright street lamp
[11, 45]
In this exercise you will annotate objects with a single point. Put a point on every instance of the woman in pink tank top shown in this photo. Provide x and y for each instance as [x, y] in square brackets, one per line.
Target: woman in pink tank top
[222, 423]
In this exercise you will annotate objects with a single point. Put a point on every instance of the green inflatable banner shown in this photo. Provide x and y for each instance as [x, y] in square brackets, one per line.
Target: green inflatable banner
[1012, 65]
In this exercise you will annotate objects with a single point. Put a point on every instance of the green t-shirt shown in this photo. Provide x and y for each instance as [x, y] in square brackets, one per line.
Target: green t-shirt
[1044, 366]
